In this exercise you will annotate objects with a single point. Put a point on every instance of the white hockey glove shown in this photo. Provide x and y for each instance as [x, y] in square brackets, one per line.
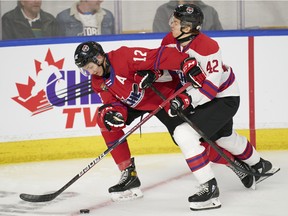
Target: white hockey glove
[193, 72]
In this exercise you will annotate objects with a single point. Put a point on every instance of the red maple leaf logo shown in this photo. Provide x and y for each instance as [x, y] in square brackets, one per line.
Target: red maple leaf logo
[32, 95]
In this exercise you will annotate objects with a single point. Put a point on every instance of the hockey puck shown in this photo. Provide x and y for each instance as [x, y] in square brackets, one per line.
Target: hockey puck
[84, 211]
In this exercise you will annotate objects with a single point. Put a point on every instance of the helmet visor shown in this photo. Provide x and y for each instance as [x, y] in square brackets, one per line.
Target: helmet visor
[84, 72]
[171, 20]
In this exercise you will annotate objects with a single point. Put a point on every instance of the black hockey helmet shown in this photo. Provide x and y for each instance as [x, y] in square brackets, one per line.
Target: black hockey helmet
[88, 52]
[189, 15]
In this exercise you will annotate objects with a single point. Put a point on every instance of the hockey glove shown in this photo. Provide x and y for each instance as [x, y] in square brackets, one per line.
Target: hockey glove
[145, 78]
[193, 72]
[114, 120]
[180, 102]
[111, 117]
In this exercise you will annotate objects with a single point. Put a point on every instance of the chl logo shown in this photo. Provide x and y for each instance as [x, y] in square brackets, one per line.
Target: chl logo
[33, 95]
[51, 86]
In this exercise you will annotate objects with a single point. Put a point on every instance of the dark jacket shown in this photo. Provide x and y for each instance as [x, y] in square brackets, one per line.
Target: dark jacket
[16, 26]
[71, 25]
[164, 12]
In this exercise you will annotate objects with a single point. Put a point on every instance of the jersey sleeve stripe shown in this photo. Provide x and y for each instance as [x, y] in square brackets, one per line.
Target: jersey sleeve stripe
[228, 82]
[157, 62]
[209, 90]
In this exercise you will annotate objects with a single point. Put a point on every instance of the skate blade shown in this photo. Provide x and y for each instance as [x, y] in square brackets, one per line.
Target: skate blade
[209, 204]
[253, 186]
[272, 170]
[132, 194]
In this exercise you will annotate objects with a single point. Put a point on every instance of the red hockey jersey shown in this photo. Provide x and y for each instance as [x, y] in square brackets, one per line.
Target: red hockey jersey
[125, 62]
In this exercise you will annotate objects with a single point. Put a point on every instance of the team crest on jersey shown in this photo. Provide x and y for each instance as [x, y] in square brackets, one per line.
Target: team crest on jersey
[135, 96]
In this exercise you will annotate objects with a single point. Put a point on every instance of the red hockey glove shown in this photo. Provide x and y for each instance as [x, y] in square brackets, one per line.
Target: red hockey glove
[111, 117]
[193, 72]
[145, 78]
[180, 102]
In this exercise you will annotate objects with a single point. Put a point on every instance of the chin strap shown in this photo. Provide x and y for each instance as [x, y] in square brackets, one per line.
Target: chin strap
[106, 73]
[188, 38]
[185, 39]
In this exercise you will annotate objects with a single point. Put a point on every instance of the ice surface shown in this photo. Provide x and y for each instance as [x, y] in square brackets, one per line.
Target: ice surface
[166, 182]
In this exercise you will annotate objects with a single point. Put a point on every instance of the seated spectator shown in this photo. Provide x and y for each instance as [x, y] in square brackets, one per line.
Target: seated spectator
[28, 20]
[86, 18]
[164, 12]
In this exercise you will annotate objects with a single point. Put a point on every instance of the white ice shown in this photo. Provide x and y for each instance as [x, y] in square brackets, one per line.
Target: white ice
[166, 182]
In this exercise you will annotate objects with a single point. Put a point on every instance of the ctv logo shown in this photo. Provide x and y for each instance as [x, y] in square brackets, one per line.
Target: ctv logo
[52, 86]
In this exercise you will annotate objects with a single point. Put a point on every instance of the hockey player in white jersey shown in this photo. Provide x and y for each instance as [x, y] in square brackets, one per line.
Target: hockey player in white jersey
[215, 98]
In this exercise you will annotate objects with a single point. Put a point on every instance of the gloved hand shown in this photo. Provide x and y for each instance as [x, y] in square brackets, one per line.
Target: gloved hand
[180, 102]
[193, 72]
[111, 117]
[145, 78]
[114, 120]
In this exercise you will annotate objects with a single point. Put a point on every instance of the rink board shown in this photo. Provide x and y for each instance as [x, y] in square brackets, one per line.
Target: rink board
[58, 134]
[92, 147]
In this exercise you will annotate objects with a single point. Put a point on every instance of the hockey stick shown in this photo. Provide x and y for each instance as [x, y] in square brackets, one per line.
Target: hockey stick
[210, 142]
[51, 196]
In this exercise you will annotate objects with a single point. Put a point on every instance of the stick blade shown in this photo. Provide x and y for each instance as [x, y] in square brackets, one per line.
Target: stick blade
[38, 198]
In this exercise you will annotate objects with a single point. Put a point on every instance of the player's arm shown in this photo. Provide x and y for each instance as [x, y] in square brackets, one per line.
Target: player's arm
[205, 83]
[162, 58]
[206, 75]
[112, 114]
[193, 72]
[145, 78]
[150, 63]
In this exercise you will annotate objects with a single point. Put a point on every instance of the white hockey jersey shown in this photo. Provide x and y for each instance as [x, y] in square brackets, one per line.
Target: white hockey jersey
[220, 80]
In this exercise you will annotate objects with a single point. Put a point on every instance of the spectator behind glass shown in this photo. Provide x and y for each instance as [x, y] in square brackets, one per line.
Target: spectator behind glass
[164, 12]
[86, 18]
[28, 20]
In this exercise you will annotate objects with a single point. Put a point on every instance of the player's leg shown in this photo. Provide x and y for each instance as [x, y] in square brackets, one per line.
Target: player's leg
[219, 114]
[212, 118]
[247, 180]
[243, 150]
[128, 187]
[197, 159]
[129, 184]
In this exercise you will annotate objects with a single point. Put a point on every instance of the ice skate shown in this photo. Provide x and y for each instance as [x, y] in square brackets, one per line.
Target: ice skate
[206, 198]
[264, 166]
[128, 185]
[247, 180]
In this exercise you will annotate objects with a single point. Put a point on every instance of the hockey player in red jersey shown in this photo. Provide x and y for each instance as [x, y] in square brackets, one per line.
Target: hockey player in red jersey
[125, 96]
[123, 91]
[121, 81]
[215, 99]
